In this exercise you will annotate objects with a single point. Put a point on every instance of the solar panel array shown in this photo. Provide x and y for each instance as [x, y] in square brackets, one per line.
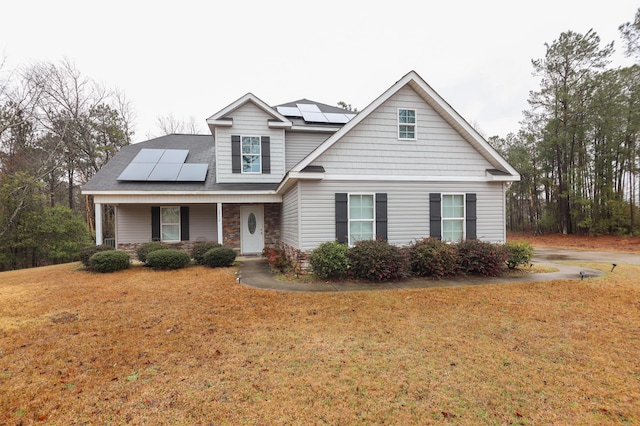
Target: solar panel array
[163, 165]
[312, 114]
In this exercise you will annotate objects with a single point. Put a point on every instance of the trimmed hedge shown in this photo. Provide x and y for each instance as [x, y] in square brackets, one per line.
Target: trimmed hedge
[168, 259]
[109, 261]
[219, 256]
[480, 258]
[330, 260]
[198, 251]
[144, 250]
[376, 260]
[86, 253]
[518, 253]
[433, 258]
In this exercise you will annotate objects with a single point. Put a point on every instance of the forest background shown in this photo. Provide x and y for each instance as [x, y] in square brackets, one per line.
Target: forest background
[577, 150]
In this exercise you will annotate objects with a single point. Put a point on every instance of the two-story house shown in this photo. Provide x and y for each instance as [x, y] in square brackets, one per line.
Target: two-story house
[406, 167]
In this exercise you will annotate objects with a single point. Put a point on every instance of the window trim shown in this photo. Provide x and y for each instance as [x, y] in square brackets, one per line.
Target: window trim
[179, 224]
[462, 219]
[414, 124]
[372, 220]
[242, 155]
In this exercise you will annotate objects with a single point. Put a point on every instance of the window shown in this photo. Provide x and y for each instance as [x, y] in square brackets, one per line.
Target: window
[251, 154]
[453, 218]
[407, 124]
[361, 218]
[170, 223]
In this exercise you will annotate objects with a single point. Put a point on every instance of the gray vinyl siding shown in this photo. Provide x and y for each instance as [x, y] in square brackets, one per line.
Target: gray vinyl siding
[407, 208]
[133, 223]
[249, 120]
[372, 147]
[290, 218]
[300, 144]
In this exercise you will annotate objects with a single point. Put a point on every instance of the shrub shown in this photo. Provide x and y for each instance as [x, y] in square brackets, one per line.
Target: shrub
[219, 256]
[87, 252]
[433, 258]
[109, 261]
[518, 253]
[330, 260]
[168, 259]
[144, 250]
[376, 261]
[481, 258]
[276, 258]
[197, 254]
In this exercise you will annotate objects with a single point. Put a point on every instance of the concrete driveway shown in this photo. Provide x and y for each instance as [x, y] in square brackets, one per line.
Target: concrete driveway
[255, 272]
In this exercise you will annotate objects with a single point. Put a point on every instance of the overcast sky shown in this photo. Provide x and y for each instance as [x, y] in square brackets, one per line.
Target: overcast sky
[192, 58]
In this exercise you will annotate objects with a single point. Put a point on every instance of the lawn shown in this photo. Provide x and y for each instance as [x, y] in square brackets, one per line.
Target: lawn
[195, 347]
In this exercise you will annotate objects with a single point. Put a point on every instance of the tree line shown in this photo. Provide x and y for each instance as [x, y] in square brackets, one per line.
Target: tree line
[57, 128]
[577, 150]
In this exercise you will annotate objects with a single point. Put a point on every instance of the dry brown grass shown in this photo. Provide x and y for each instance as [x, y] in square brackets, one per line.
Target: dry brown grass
[194, 347]
[602, 242]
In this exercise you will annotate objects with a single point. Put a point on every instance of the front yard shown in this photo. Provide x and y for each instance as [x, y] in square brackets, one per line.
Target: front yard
[194, 347]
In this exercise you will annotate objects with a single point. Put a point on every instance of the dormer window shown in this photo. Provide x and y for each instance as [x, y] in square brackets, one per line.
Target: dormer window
[406, 124]
[251, 154]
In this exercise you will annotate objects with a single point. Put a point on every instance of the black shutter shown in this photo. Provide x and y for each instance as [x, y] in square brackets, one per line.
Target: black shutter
[265, 141]
[342, 218]
[155, 223]
[184, 223]
[236, 163]
[381, 216]
[471, 216]
[435, 215]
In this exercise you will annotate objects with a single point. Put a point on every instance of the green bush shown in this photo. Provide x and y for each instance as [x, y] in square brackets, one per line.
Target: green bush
[87, 252]
[330, 260]
[109, 261]
[219, 256]
[144, 250]
[168, 259]
[481, 258]
[518, 253]
[376, 260]
[433, 258]
[198, 251]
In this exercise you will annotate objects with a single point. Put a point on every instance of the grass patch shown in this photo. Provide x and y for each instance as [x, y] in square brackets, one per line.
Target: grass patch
[191, 346]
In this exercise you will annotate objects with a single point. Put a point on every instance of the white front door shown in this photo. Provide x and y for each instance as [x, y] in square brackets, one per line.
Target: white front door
[252, 229]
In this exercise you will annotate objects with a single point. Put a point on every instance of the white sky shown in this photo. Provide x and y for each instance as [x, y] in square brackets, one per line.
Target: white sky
[192, 58]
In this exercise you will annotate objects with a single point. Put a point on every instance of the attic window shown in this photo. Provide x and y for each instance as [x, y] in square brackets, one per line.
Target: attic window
[406, 124]
[251, 154]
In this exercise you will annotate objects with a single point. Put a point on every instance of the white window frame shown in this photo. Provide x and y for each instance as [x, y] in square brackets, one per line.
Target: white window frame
[162, 224]
[242, 154]
[414, 124]
[349, 220]
[463, 219]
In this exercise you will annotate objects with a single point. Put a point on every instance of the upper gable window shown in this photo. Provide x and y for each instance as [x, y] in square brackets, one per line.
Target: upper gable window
[251, 154]
[406, 124]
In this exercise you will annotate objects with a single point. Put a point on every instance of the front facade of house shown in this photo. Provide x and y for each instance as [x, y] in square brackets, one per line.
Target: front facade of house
[299, 174]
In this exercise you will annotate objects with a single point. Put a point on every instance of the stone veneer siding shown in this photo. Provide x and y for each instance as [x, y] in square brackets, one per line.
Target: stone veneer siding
[299, 259]
[131, 248]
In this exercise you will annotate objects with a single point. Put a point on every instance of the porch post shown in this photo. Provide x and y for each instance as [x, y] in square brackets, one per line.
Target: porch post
[219, 218]
[98, 218]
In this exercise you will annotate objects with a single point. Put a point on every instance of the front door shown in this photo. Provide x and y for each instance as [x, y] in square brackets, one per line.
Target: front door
[252, 229]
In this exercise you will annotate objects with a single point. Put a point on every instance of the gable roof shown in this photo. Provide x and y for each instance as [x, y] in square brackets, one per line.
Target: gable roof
[434, 100]
[219, 118]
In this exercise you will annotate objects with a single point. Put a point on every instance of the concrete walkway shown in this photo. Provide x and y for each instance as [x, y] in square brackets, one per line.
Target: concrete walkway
[255, 272]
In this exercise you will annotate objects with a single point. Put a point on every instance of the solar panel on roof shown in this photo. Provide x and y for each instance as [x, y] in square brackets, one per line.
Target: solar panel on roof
[350, 116]
[147, 155]
[165, 172]
[308, 108]
[289, 111]
[336, 117]
[193, 173]
[314, 117]
[136, 171]
[174, 156]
